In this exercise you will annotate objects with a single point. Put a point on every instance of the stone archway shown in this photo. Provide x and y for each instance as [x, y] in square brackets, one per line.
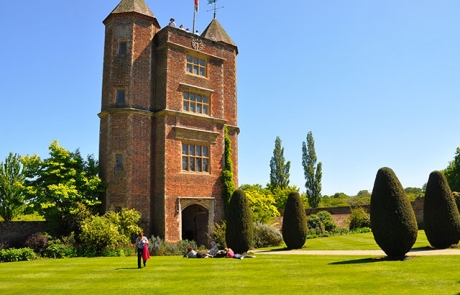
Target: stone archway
[195, 224]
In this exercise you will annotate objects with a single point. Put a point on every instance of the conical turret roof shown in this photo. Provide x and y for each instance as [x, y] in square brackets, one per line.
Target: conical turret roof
[138, 6]
[216, 32]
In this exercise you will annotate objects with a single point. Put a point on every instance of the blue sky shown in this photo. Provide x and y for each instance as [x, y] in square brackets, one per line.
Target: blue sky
[377, 82]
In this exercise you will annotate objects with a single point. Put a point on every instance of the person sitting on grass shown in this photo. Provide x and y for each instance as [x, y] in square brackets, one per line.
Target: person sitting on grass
[193, 254]
[213, 251]
[231, 254]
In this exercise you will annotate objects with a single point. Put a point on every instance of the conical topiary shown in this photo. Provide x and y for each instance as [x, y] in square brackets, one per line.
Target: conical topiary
[240, 228]
[393, 221]
[295, 228]
[440, 212]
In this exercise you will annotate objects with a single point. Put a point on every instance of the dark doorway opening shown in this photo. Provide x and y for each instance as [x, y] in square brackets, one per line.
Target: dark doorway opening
[195, 224]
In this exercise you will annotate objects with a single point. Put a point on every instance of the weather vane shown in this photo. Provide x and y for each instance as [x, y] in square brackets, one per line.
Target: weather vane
[214, 2]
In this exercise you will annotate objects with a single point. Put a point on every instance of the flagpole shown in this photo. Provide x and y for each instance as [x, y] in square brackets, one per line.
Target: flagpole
[195, 9]
[194, 15]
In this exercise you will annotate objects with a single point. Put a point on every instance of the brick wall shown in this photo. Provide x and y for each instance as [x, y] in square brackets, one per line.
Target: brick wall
[16, 233]
[340, 214]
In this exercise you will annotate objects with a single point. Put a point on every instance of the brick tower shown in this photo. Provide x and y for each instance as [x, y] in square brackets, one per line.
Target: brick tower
[167, 95]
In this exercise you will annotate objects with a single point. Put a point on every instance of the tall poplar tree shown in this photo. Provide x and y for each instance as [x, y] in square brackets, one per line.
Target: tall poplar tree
[279, 169]
[12, 195]
[312, 171]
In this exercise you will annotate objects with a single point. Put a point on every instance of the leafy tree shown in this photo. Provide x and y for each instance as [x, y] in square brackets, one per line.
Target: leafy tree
[363, 198]
[312, 171]
[56, 185]
[12, 195]
[336, 200]
[440, 213]
[414, 192]
[261, 202]
[279, 170]
[239, 234]
[281, 195]
[227, 173]
[452, 172]
[294, 228]
[392, 218]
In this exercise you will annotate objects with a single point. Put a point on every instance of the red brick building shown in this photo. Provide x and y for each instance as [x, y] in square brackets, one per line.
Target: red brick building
[167, 95]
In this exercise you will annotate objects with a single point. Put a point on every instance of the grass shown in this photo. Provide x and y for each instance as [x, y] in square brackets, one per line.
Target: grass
[356, 242]
[266, 274]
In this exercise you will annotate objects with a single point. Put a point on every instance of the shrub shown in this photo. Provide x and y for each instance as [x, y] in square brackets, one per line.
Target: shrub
[58, 249]
[456, 196]
[13, 254]
[240, 230]
[266, 235]
[218, 234]
[321, 222]
[37, 242]
[359, 218]
[295, 228]
[392, 218]
[159, 247]
[361, 230]
[103, 234]
[441, 216]
[340, 231]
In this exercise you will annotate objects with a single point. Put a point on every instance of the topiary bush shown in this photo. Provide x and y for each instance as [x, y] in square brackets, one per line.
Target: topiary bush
[295, 228]
[393, 221]
[266, 235]
[440, 213]
[239, 234]
[456, 196]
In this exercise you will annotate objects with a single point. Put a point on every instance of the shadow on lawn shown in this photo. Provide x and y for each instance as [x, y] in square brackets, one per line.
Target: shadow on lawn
[125, 268]
[371, 260]
[359, 261]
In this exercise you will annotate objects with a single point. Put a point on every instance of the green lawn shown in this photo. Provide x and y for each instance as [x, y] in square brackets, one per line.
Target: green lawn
[266, 274]
[356, 242]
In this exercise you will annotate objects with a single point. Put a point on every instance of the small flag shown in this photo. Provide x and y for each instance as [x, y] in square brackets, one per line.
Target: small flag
[196, 5]
[211, 2]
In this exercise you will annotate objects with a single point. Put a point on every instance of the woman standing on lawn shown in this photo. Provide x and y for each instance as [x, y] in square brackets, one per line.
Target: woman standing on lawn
[141, 242]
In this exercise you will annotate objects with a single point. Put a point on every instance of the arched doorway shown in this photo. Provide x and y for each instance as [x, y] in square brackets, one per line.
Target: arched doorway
[195, 224]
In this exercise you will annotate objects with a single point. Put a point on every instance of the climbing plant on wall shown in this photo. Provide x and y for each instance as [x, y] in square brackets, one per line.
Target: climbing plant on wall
[227, 172]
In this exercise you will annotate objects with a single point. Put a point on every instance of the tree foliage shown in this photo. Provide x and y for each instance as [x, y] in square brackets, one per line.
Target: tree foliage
[239, 234]
[294, 228]
[227, 173]
[108, 232]
[312, 171]
[57, 184]
[440, 213]
[452, 172]
[261, 202]
[12, 195]
[281, 195]
[279, 169]
[392, 218]
[363, 198]
[358, 218]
